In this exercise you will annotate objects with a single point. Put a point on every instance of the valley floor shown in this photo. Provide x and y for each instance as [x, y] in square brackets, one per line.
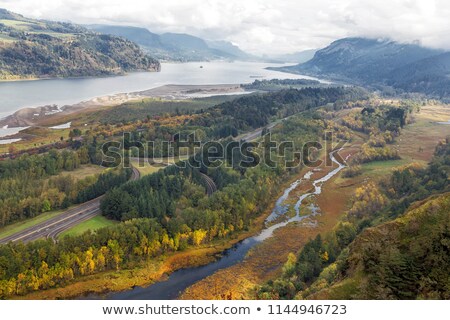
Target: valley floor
[46, 115]
[264, 262]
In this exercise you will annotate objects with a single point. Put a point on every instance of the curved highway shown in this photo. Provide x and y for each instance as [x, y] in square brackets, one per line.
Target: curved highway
[55, 226]
[210, 184]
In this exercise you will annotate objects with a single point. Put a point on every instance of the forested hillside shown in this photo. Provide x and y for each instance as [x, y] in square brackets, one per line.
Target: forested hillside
[429, 75]
[38, 49]
[254, 111]
[380, 63]
[33, 185]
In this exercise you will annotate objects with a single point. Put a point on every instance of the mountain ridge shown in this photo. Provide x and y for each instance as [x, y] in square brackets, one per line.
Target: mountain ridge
[175, 46]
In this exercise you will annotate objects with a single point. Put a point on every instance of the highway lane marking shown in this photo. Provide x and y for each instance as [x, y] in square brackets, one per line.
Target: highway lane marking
[50, 225]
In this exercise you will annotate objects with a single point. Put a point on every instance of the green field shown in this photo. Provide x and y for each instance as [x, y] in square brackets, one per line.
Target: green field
[20, 25]
[146, 168]
[84, 171]
[93, 224]
[383, 167]
[33, 27]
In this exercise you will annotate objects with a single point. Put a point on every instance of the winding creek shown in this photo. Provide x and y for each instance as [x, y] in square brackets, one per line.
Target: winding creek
[179, 280]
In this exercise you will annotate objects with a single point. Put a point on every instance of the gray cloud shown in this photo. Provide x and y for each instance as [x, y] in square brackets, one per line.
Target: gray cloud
[261, 27]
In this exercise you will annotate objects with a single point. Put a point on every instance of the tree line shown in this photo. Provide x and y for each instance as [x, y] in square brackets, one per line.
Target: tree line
[32, 184]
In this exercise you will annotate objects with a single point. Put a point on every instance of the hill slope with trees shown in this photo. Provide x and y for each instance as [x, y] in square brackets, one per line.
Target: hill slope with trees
[42, 49]
[379, 63]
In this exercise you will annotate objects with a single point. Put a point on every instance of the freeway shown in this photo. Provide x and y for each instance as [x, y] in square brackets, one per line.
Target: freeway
[250, 136]
[55, 226]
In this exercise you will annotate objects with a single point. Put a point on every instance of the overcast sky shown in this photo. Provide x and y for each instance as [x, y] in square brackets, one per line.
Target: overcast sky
[259, 26]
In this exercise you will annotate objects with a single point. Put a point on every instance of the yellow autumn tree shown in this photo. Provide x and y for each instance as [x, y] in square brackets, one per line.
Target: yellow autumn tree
[198, 236]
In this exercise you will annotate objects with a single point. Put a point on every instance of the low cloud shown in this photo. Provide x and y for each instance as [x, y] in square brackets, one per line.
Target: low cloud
[261, 27]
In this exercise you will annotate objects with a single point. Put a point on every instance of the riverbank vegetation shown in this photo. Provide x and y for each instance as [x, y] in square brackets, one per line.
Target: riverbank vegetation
[265, 261]
[370, 253]
[279, 84]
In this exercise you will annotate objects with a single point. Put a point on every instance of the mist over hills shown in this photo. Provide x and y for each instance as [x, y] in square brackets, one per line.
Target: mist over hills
[298, 57]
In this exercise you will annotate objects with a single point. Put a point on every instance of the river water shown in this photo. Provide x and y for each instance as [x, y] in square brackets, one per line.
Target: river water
[178, 281]
[16, 95]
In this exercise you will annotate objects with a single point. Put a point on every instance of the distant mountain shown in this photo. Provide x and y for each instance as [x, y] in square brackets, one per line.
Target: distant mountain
[138, 35]
[408, 67]
[184, 41]
[231, 49]
[38, 49]
[7, 15]
[192, 48]
[363, 59]
[175, 46]
[298, 57]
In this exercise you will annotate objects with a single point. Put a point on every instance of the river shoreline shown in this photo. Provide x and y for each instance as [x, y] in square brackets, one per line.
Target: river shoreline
[101, 285]
[42, 116]
[33, 102]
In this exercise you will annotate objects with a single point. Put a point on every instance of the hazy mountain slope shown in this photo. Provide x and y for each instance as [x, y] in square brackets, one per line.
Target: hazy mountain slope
[430, 75]
[138, 35]
[37, 48]
[175, 46]
[363, 59]
[230, 48]
[183, 41]
[298, 57]
[408, 67]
